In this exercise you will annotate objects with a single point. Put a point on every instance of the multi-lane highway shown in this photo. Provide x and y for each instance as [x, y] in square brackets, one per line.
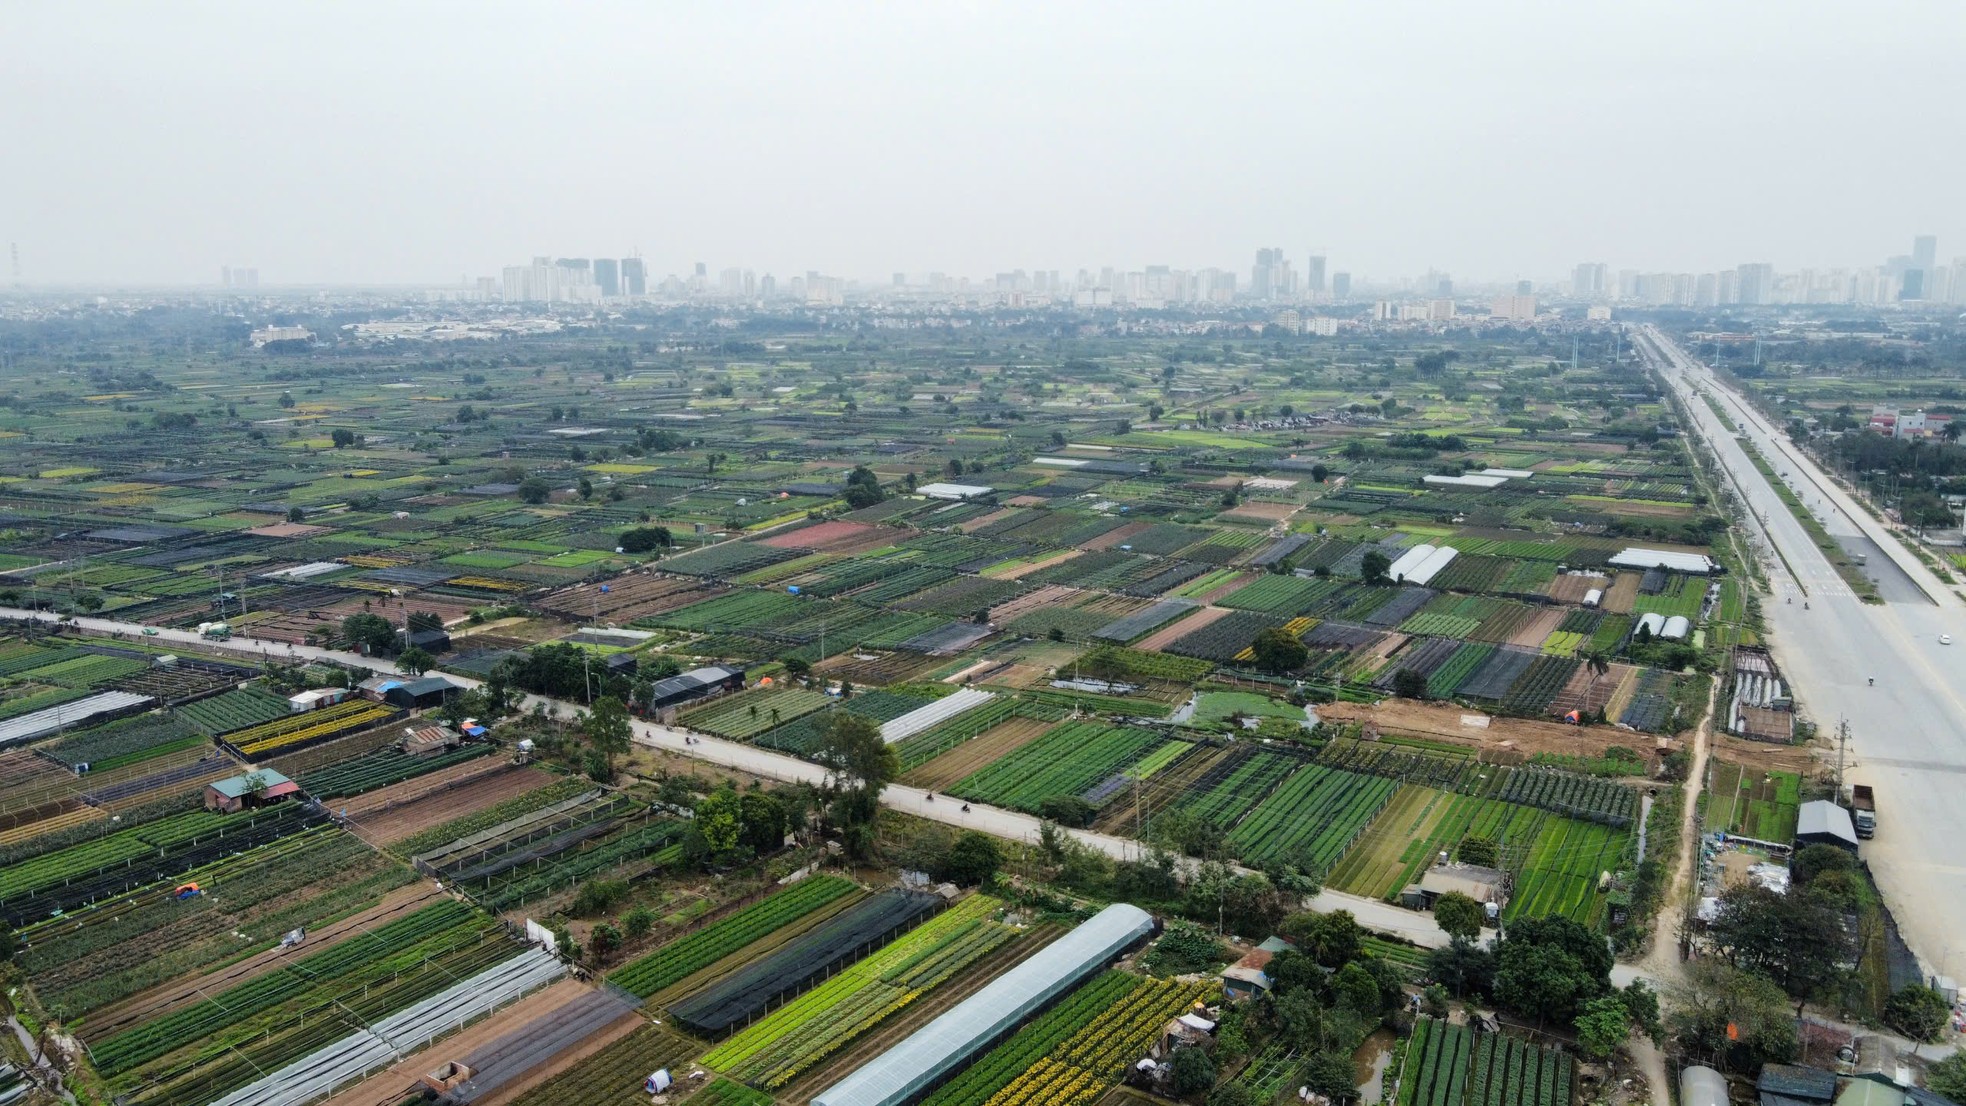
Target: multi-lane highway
[1908, 730]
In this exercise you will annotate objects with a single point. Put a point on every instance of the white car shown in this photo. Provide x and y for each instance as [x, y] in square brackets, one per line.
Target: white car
[1945, 639]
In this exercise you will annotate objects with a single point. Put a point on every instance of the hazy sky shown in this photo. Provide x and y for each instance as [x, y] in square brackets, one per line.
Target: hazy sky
[349, 142]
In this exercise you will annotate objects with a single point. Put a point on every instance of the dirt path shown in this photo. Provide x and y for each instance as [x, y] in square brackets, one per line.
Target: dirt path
[1662, 961]
[145, 1005]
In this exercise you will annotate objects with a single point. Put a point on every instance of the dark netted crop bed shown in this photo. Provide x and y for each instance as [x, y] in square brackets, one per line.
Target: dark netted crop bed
[743, 995]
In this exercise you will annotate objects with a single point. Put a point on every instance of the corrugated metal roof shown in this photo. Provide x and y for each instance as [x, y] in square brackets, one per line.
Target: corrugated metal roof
[234, 787]
[1797, 1081]
[1823, 816]
[904, 1070]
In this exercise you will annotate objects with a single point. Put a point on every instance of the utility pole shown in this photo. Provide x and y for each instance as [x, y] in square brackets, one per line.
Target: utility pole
[1842, 742]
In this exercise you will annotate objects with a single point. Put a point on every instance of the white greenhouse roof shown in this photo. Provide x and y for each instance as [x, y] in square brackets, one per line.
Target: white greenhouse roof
[954, 491]
[1061, 462]
[1473, 480]
[921, 718]
[1637, 557]
[1513, 474]
[67, 715]
[932, 1051]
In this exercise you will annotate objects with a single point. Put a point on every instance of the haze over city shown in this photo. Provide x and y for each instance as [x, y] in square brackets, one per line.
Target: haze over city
[379, 143]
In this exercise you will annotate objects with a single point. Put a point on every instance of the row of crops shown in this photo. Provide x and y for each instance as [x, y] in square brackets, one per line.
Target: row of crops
[685, 956]
[1067, 760]
[792, 1039]
[382, 768]
[67, 878]
[298, 731]
[1078, 1050]
[1451, 1065]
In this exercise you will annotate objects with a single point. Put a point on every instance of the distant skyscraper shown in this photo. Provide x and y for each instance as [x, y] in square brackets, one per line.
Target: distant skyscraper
[607, 274]
[575, 264]
[634, 277]
[1341, 286]
[1913, 287]
[1266, 280]
[1524, 288]
[1925, 252]
[1314, 275]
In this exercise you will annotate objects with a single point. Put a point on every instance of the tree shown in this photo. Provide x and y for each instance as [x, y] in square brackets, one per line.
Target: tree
[1797, 939]
[1374, 567]
[296, 514]
[1194, 1071]
[1409, 684]
[1918, 1012]
[972, 860]
[415, 661]
[371, 630]
[764, 821]
[645, 539]
[1433, 1001]
[1353, 988]
[534, 489]
[1736, 1017]
[1604, 1025]
[719, 820]
[608, 729]
[1330, 1074]
[585, 488]
[1948, 1076]
[1320, 473]
[343, 439]
[1332, 939]
[1067, 810]
[1478, 850]
[1815, 860]
[859, 766]
[863, 488]
[426, 620]
[1278, 650]
[1459, 916]
[1463, 968]
[1549, 967]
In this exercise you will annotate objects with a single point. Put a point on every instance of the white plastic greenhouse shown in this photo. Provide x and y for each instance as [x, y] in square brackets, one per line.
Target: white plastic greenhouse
[933, 1050]
[1409, 560]
[921, 718]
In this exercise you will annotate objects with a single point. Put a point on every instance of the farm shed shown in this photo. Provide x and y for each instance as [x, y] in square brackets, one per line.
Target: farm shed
[430, 641]
[1702, 1086]
[419, 740]
[1795, 1085]
[1483, 885]
[235, 793]
[426, 691]
[694, 684]
[1822, 822]
[317, 698]
[81, 712]
[904, 1071]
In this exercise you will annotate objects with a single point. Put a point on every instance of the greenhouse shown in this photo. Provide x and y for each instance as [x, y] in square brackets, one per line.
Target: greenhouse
[939, 1047]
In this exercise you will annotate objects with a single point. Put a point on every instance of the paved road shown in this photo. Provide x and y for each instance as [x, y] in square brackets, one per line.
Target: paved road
[1374, 914]
[1908, 732]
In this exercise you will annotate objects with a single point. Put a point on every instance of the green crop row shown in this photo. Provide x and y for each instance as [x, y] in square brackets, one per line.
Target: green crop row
[679, 958]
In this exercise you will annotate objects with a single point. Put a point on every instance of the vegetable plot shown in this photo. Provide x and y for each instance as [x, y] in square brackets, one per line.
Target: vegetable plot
[680, 958]
[792, 1039]
[1066, 761]
[1448, 1065]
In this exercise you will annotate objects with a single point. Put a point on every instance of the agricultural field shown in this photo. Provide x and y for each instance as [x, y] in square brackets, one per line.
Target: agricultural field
[1449, 1064]
[681, 958]
[1760, 805]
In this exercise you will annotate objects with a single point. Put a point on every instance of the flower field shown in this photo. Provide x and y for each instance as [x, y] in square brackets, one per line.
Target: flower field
[790, 1040]
[686, 955]
[1311, 820]
[297, 731]
[1449, 1065]
[1078, 1051]
[745, 715]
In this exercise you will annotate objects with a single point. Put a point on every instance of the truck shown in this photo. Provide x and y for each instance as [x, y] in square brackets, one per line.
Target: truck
[1863, 809]
[217, 631]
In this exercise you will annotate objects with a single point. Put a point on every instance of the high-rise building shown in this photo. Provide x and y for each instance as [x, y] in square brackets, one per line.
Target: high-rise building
[1314, 275]
[1341, 286]
[1913, 285]
[634, 277]
[1520, 307]
[607, 274]
[1525, 288]
[1925, 252]
[1270, 278]
[1756, 283]
[1588, 279]
[576, 265]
